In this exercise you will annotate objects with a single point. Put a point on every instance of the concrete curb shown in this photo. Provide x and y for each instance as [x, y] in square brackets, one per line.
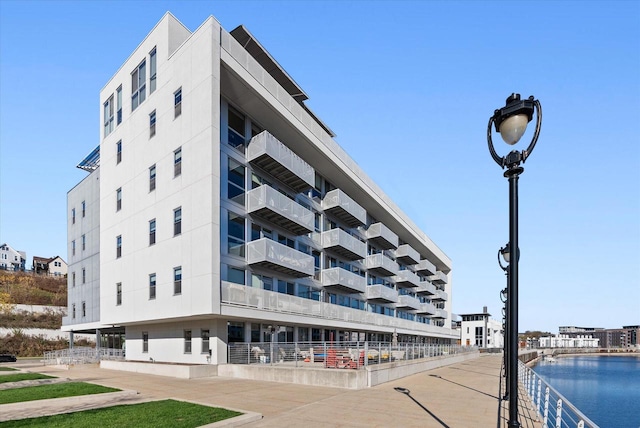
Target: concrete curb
[246, 417]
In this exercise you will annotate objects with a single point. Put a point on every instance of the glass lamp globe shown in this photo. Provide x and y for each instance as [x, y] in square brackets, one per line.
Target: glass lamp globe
[506, 255]
[512, 128]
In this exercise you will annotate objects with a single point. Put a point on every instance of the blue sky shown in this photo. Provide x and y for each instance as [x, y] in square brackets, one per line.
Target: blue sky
[408, 87]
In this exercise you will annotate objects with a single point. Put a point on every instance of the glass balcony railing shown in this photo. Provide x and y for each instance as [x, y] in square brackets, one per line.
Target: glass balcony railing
[267, 152]
[341, 243]
[406, 278]
[425, 267]
[382, 236]
[406, 301]
[381, 265]
[270, 254]
[407, 255]
[426, 287]
[271, 205]
[382, 293]
[343, 280]
[427, 308]
[337, 203]
[439, 278]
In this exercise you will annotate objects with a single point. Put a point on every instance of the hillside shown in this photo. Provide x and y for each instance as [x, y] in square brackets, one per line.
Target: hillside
[28, 289]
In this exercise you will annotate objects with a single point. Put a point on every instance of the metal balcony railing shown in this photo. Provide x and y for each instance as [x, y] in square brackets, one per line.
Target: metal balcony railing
[426, 287]
[440, 295]
[381, 265]
[273, 255]
[427, 308]
[343, 280]
[381, 292]
[406, 301]
[407, 255]
[339, 204]
[341, 243]
[382, 236]
[406, 278]
[438, 278]
[425, 267]
[271, 205]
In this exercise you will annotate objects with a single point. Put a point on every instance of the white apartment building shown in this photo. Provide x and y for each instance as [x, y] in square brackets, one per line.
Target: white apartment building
[481, 330]
[218, 205]
[566, 341]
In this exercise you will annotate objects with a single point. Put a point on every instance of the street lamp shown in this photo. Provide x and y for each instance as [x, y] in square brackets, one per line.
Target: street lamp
[504, 296]
[511, 122]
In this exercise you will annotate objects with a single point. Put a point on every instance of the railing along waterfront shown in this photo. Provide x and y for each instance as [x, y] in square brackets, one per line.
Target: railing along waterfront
[348, 355]
[82, 355]
[553, 408]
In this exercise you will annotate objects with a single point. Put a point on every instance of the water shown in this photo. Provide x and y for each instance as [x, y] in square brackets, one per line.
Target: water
[605, 388]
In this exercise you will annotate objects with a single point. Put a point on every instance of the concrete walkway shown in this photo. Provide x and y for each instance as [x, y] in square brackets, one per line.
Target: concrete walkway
[461, 395]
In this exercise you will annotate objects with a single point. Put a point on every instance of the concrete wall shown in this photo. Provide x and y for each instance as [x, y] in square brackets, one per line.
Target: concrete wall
[338, 378]
[171, 370]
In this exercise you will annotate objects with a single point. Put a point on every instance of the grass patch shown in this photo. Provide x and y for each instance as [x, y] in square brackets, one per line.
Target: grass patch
[23, 376]
[41, 392]
[7, 369]
[155, 414]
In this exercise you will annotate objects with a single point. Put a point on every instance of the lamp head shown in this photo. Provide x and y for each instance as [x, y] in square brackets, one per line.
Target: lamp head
[512, 119]
[506, 252]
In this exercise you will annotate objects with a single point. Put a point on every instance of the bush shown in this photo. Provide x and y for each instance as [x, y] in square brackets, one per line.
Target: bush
[23, 345]
[23, 319]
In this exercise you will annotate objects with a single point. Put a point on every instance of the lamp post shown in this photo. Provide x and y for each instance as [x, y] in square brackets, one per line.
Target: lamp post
[504, 296]
[511, 122]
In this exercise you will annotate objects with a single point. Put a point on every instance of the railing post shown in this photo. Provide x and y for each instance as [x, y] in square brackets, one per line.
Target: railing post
[581, 424]
[366, 353]
[559, 414]
[546, 407]
[539, 388]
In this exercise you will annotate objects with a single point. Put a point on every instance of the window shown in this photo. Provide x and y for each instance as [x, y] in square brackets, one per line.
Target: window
[204, 337]
[84, 275]
[152, 178]
[187, 341]
[236, 186]
[73, 311]
[152, 124]
[73, 247]
[235, 275]
[177, 103]
[235, 134]
[177, 280]
[152, 286]
[145, 341]
[84, 242]
[152, 231]
[138, 85]
[152, 71]
[119, 199]
[119, 293]
[73, 279]
[84, 309]
[177, 221]
[73, 216]
[119, 105]
[235, 235]
[118, 246]
[108, 116]
[177, 162]
[118, 152]
[84, 209]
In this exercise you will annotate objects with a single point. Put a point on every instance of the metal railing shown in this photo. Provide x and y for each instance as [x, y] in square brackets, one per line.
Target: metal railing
[553, 408]
[351, 355]
[82, 355]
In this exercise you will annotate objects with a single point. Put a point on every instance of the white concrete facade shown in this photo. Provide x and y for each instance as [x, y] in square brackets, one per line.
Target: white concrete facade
[227, 146]
[481, 330]
[565, 341]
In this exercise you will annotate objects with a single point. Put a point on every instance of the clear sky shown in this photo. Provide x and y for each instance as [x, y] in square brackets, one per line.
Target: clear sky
[408, 87]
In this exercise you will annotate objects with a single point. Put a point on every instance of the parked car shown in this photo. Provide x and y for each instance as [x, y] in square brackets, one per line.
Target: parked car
[7, 358]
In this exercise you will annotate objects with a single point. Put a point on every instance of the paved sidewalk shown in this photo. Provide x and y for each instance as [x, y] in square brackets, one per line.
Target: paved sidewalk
[460, 395]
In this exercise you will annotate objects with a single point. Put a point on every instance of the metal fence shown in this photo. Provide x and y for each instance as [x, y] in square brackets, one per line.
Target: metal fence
[349, 355]
[554, 409]
[82, 355]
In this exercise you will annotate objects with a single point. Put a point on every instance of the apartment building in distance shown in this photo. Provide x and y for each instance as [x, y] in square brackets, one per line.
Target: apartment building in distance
[479, 329]
[218, 207]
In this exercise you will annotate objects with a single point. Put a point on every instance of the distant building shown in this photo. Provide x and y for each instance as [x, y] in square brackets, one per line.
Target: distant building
[624, 337]
[566, 341]
[11, 259]
[576, 330]
[480, 330]
[54, 266]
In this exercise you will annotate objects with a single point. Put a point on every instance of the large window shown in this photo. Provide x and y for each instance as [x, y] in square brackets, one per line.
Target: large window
[119, 105]
[118, 246]
[152, 286]
[152, 178]
[138, 85]
[204, 337]
[119, 199]
[145, 341]
[177, 221]
[177, 162]
[152, 70]
[108, 116]
[235, 275]
[152, 231]
[235, 331]
[235, 235]
[177, 103]
[187, 341]
[177, 280]
[152, 124]
[119, 293]
[236, 132]
[236, 186]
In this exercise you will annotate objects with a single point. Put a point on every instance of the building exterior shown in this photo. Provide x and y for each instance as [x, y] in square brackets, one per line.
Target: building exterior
[218, 206]
[567, 341]
[11, 259]
[481, 330]
[54, 266]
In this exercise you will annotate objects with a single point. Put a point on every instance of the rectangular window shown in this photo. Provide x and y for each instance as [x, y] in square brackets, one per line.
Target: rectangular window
[84, 209]
[84, 275]
[204, 337]
[84, 309]
[152, 286]
[119, 293]
[145, 341]
[177, 103]
[119, 105]
[73, 216]
[236, 133]
[177, 162]
[73, 311]
[235, 275]
[152, 231]
[138, 85]
[177, 280]
[73, 279]
[118, 246]
[187, 341]
[84, 242]
[235, 235]
[152, 178]
[236, 185]
[73, 247]
[108, 116]
[177, 221]
[118, 152]
[152, 124]
[152, 70]
[119, 199]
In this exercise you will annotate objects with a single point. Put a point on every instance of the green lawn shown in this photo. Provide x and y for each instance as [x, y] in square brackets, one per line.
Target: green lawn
[155, 414]
[41, 392]
[7, 369]
[22, 376]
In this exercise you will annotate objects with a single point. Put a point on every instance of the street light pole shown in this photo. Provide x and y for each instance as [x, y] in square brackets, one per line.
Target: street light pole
[511, 122]
[505, 253]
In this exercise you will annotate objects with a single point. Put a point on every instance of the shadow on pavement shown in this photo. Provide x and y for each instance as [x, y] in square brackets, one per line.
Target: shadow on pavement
[406, 392]
[464, 386]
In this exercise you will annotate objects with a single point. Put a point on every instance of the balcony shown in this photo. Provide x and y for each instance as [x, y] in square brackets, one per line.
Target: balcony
[338, 204]
[381, 293]
[275, 256]
[408, 302]
[269, 204]
[267, 152]
[343, 280]
[381, 265]
[440, 295]
[425, 287]
[439, 278]
[382, 236]
[407, 255]
[425, 267]
[427, 309]
[341, 243]
[440, 313]
[406, 278]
